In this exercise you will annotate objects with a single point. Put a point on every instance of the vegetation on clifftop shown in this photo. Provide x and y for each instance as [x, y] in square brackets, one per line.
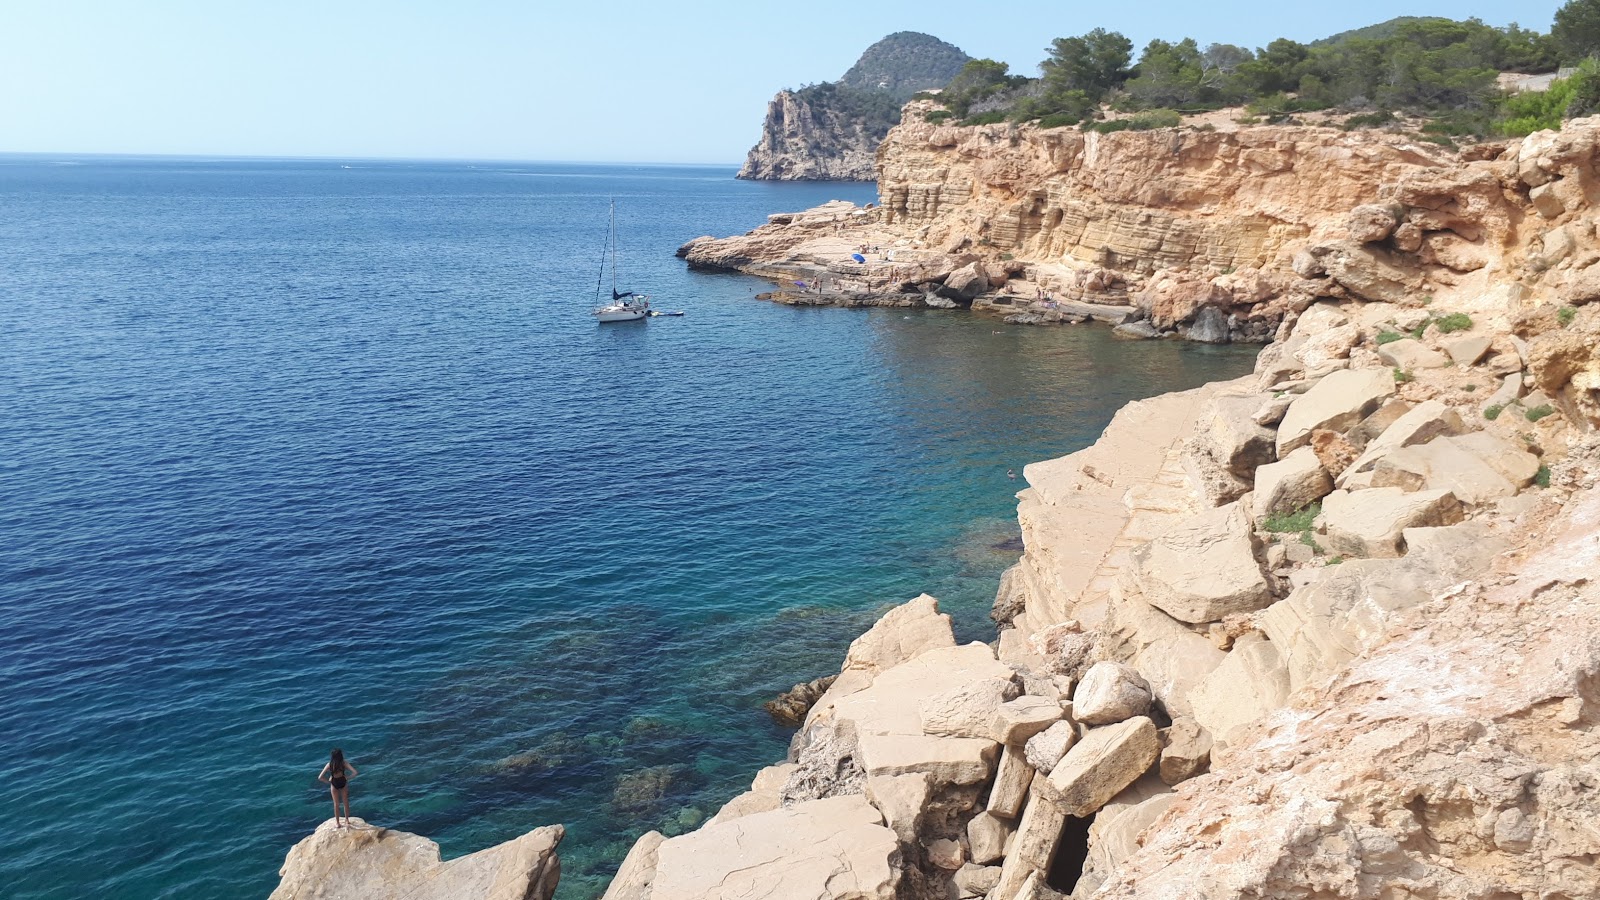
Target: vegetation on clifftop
[1440, 69]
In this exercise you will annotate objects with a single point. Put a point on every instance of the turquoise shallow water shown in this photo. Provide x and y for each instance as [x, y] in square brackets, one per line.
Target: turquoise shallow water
[298, 455]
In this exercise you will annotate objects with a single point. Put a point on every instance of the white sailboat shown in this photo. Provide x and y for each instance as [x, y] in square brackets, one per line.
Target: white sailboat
[625, 306]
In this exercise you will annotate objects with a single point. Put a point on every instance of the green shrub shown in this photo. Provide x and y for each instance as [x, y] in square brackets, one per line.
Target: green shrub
[1369, 120]
[1109, 127]
[1389, 337]
[1309, 539]
[1542, 477]
[1539, 412]
[1300, 520]
[1469, 388]
[1205, 126]
[1403, 377]
[1334, 560]
[992, 117]
[1155, 118]
[939, 115]
[1493, 412]
[1059, 120]
[1566, 314]
[1453, 323]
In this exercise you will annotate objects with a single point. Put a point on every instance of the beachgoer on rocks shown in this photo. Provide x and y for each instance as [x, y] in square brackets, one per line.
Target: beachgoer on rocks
[336, 775]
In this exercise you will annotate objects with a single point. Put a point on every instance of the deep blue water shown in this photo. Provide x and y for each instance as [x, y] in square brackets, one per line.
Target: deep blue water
[297, 454]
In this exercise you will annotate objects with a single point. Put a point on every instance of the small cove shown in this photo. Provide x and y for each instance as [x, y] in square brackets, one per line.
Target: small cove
[304, 456]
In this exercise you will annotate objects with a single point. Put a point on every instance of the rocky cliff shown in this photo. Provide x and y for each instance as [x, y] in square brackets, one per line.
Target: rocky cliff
[806, 140]
[831, 131]
[1327, 631]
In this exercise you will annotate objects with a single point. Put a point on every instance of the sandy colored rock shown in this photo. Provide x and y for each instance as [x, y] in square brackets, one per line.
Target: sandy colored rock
[902, 800]
[1110, 692]
[1371, 523]
[1018, 720]
[975, 880]
[1203, 568]
[1336, 402]
[361, 861]
[1289, 484]
[832, 848]
[1409, 355]
[946, 760]
[1252, 682]
[1118, 827]
[1185, 750]
[902, 634]
[1466, 351]
[1471, 725]
[945, 854]
[1046, 748]
[968, 709]
[1469, 467]
[765, 794]
[638, 869]
[1423, 423]
[1012, 779]
[1321, 626]
[1107, 760]
[987, 835]
[1334, 451]
[1371, 222]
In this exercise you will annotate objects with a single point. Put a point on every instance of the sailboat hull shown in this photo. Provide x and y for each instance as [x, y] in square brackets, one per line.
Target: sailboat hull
[620, 313]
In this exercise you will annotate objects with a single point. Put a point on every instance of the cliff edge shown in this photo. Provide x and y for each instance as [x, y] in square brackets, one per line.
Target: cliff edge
[831, 131]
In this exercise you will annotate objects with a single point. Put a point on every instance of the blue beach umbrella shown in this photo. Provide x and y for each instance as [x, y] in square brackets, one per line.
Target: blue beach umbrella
[801, 284]
[858, 257]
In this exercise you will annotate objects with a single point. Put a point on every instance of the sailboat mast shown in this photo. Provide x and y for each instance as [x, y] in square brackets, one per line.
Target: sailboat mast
[613, 248]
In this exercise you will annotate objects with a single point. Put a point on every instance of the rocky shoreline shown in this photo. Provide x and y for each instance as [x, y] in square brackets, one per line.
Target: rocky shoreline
[1328, 630]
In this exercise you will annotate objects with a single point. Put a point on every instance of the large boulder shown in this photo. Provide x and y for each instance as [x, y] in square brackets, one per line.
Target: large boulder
[1372, 523]
[1185, 750]
[1011, 782]
[966, 282]
[1114, 836]
[901, 634]
[837, 848]
[360, 862]
[1422, 423]
[1098, 767]
[1046, 748]
[1362, 270]
[766, 793]
[1227, 446]
[903, 800]
[1320, 627]
[1337, 402]
[1408, 354]
[886, 718]
[1203, 568]
[1251, 682]
[1289, 484]
[1469, 467]
[968, 709]
[1018, 720]
[1110, 692]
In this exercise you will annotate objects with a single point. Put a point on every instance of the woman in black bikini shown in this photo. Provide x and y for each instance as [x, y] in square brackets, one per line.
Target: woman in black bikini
[336, 775]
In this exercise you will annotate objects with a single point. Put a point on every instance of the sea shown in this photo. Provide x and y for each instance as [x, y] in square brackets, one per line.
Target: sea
[303, 454]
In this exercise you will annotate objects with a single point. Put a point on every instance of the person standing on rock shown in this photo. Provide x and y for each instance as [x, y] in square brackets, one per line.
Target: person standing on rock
[336, 775]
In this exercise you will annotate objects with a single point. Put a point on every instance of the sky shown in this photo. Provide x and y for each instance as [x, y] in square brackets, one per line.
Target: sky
[534, 80]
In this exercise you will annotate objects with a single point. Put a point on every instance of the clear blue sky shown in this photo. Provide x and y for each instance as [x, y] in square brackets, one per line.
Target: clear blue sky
[540, 80]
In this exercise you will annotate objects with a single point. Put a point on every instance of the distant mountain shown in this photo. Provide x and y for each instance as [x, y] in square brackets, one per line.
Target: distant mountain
[831, 131]
[903, 63]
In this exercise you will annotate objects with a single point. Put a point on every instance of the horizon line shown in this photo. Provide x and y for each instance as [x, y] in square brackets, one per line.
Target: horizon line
[353, 158]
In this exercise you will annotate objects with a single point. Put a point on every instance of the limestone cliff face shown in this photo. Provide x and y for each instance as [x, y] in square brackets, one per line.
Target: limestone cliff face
[801, 142]
[1134, 200]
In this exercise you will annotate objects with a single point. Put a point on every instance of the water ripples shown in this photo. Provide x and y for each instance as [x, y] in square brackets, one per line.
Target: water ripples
[300, 456]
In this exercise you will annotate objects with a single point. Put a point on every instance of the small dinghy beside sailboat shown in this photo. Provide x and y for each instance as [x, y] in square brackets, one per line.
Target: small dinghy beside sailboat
[625, 306]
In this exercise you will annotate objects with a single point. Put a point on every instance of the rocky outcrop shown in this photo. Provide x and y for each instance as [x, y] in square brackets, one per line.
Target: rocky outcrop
[831, 131]
[361, 862]
[803, 138]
